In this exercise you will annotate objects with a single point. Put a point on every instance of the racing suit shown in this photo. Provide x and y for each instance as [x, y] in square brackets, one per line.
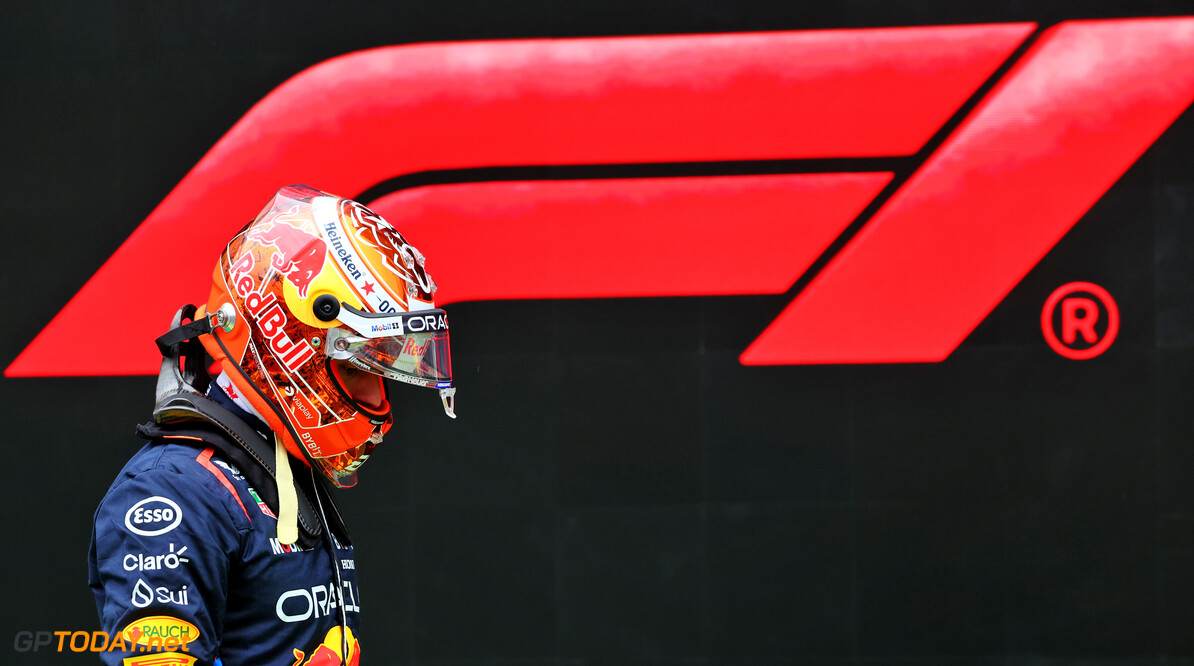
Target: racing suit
[186, 566]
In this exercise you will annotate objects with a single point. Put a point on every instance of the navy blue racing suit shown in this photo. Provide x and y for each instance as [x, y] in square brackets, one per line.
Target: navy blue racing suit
[185, 561]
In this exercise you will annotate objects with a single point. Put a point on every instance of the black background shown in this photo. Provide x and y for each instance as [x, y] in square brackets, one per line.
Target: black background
[644, 499]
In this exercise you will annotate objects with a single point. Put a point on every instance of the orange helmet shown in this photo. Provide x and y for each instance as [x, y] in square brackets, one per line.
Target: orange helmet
[323, 290]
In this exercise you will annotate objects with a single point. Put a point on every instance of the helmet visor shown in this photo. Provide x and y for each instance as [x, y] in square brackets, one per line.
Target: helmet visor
[420, 357]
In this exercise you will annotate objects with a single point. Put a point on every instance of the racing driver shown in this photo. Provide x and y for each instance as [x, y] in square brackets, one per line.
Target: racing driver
[219, 542]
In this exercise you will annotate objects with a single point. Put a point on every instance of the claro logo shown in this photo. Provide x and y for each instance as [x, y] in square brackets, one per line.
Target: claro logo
[942, 248]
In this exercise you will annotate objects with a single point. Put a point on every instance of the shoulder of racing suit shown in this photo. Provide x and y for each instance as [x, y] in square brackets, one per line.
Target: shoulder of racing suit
[196, 420]
[183, 548]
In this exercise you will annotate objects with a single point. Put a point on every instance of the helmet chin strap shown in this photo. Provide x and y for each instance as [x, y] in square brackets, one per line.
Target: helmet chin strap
[287, 497]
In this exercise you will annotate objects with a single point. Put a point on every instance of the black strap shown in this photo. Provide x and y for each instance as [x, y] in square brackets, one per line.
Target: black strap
[185, 332]
[181, 347]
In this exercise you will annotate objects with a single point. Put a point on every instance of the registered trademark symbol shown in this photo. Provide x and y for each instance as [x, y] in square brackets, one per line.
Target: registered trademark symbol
[1082, 327]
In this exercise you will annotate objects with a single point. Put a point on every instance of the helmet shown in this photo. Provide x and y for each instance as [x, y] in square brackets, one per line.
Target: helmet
[322, 299]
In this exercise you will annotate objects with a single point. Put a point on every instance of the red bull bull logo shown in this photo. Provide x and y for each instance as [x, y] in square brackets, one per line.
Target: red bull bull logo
[327, 653]
[299, 255]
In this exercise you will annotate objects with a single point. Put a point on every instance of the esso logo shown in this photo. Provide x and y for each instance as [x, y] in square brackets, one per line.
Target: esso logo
[153, 516]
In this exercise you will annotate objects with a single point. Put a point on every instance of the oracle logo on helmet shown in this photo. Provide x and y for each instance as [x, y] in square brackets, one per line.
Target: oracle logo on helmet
[428, 323]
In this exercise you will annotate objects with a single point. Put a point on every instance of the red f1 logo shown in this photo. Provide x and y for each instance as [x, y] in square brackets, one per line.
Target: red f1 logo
[1081, 104]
